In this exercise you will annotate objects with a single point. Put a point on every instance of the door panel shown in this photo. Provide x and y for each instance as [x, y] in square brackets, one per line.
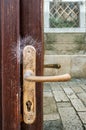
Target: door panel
[9, 36]
[31, 34]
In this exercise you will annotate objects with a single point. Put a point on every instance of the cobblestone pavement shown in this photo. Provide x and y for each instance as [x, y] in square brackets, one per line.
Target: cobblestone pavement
[65, 105]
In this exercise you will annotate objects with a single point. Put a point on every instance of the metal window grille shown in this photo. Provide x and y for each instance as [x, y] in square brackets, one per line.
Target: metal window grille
[64, 14]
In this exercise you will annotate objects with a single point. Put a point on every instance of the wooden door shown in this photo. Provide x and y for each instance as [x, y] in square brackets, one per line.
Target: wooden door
[20, 25]
[31, 34]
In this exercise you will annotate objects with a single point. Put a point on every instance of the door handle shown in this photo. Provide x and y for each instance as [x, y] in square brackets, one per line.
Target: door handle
[56, 66]
[29, 85]
[61, 78]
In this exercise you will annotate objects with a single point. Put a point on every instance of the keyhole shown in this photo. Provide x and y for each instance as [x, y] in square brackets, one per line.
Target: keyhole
[29, 104]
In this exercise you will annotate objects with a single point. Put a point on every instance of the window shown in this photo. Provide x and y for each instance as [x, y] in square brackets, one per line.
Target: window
[64, 16]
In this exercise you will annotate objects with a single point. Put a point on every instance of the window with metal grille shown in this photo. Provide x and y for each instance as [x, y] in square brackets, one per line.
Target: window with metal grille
[64, 14]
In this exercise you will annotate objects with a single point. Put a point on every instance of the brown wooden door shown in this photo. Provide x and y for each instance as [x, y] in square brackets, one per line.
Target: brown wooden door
[20, 25]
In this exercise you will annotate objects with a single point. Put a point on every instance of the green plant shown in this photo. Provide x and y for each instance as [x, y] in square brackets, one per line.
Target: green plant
[61, 23]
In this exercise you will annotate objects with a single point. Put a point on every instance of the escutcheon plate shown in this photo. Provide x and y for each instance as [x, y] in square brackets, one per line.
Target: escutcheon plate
[29, 90]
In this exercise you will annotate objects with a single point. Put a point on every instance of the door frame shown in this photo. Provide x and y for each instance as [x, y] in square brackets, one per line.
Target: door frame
[9, 65]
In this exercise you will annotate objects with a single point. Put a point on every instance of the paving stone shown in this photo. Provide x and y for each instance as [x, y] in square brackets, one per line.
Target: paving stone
[82, 116]
[78, 105]
[47, 94]
[75, 92]
[64, 104]
[60, 96]
[83, 80]
[84, 127]
[70, 93]
[56, 87]
[69, 84]
[54, 116]
[64, 85]
[47, 87]
[53, 125]
[84, 87]
[49, 105]
[82, 96]
[77, 80]
[69, 119]
[77, 89]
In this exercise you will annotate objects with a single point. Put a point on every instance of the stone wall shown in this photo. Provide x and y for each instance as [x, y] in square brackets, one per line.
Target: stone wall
[68, 50]
[65, 44]
[73, 64]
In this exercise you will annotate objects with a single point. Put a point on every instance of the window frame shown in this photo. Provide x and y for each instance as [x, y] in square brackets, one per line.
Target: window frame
[81, 29]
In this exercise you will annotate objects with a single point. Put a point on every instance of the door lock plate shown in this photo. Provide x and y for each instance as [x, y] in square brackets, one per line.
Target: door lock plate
[29, 90]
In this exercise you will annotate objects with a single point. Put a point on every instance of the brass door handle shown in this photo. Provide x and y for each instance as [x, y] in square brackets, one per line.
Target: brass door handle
[29, 87]
[61, 78]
